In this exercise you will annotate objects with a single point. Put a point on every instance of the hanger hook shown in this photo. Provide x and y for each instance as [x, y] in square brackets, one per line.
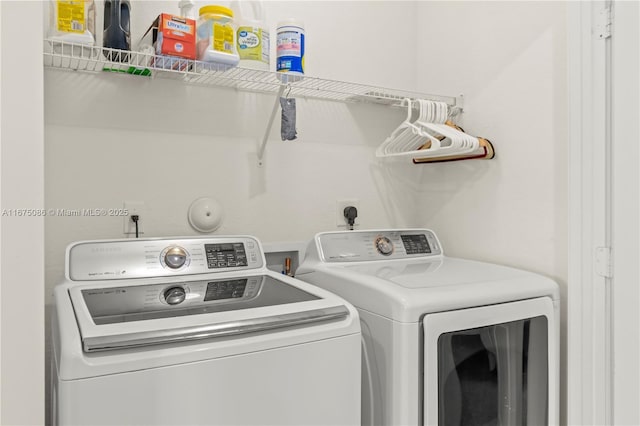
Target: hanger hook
[409, 103]
[288, 90]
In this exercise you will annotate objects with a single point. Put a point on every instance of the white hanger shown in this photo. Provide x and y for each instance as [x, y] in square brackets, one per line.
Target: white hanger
[410, 138]
[455, 142]
[406, 137]
[402, 131]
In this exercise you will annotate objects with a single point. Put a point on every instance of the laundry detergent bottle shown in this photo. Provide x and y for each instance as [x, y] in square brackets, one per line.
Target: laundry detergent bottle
[117, 31]
[252, 34]
[72, 22]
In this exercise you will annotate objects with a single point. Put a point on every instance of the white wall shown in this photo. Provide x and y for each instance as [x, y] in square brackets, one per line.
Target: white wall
[22, 244]
[510, 65]
[509, 61]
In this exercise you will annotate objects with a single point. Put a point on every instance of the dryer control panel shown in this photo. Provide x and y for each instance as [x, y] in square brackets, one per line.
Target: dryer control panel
[356, 246]
[149, 258]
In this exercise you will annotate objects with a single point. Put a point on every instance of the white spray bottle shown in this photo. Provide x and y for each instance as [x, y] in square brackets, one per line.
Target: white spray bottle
[187, 9]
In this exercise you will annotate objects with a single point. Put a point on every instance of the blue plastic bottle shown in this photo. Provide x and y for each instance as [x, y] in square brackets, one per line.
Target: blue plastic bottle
[117, 31]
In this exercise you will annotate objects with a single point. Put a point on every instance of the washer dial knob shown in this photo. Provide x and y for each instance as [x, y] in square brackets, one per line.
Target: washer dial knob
[384, 246]
[175, 257]
[174, 295]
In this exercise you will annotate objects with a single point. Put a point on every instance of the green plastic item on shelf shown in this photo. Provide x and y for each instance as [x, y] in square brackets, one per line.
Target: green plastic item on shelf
[146, 72]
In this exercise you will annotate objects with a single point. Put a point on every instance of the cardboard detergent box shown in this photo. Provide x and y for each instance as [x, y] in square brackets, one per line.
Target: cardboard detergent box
[172, 35]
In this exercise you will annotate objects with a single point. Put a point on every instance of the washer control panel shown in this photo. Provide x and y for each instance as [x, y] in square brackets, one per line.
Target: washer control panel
[149, 258]
[226, 255]
[356, 246]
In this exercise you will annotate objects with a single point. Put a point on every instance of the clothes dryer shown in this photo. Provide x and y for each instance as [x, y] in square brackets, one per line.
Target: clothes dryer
[447, 341]
[197, 331]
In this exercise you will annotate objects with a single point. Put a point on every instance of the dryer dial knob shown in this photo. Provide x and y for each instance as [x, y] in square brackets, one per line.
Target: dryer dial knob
[174, 295]
[384, 246]
[175, 257]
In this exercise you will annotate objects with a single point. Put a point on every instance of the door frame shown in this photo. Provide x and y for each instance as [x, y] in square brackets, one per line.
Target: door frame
[625, 217]
[589, 367]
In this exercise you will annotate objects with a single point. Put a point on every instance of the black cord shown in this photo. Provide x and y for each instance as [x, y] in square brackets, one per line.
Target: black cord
[135, 218]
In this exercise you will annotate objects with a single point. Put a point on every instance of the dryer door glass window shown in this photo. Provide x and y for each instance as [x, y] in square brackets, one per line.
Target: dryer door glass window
[494, 375]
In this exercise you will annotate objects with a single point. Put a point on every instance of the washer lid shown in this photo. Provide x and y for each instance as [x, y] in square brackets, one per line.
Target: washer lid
[124, 316]
[405, 290]
[440, 272]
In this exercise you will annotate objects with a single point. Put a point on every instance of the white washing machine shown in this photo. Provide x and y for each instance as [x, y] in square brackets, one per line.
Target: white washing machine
[198, 331]
[447, 341]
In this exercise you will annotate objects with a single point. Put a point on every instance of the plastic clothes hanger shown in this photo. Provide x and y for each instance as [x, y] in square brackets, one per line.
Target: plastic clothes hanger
[410, 137]
[484, 152]
[430, 138]
[432, 114]
[420, 137]
[455, 142]
[400, 132]
[406, 137]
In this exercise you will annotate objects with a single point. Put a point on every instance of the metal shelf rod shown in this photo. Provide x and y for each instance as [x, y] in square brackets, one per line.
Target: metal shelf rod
[263, 144]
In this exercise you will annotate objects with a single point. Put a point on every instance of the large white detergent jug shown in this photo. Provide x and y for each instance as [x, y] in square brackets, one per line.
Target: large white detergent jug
[72, 21]
[252, 34]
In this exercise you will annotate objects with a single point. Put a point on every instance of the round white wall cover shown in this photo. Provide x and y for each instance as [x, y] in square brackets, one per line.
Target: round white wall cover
[205, 214]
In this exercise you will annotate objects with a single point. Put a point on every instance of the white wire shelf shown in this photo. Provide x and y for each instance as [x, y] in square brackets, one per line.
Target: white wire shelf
[75, 57]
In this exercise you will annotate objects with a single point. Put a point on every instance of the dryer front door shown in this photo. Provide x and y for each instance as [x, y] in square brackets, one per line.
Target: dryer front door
[493, 365]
